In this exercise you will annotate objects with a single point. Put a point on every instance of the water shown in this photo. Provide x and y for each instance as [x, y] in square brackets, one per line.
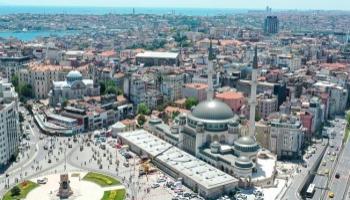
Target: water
[31, 35]
[4, 10]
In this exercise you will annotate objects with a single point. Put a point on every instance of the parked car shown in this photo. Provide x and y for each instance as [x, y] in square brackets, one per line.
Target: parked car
[42, 181]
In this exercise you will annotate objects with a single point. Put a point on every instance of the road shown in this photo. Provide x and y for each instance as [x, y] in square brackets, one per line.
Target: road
[292, 191]
[339, 186]
[38, 162]
[329, 160]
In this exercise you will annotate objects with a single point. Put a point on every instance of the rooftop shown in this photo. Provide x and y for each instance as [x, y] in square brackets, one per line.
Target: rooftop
[157, 54]
[178, 160]
[230, 95]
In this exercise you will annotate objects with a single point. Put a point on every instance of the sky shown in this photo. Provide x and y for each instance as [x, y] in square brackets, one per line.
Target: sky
[244, 4]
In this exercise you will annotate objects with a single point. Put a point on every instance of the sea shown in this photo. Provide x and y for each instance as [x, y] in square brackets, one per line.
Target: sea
[4, 10]
[30, 35]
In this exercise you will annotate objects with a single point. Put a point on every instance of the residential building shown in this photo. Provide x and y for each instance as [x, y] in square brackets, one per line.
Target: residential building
[9, 123]
[286, 136]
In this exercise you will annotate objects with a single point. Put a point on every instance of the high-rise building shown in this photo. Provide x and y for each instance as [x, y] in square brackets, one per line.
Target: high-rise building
[9, 122]
[271, 25]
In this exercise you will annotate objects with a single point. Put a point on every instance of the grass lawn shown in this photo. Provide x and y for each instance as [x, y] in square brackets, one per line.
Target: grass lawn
[114, 195]
[101, 179]
[25, 187]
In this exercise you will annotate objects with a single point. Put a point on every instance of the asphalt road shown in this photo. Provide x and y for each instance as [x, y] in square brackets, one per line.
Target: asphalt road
[339, 186]
[322, 179]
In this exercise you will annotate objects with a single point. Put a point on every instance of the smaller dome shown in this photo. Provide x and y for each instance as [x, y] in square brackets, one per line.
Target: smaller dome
[215, 144]
[245, 141]
[155, 120]
[74, 75]
[233, 123]
[244, 162]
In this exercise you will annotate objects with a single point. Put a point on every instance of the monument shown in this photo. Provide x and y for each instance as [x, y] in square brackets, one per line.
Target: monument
[64, 191]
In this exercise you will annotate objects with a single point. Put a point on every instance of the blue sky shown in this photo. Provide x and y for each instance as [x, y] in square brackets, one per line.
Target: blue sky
[252, 4]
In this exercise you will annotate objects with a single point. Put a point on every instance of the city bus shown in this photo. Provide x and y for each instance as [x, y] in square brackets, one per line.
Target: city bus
[310, 191]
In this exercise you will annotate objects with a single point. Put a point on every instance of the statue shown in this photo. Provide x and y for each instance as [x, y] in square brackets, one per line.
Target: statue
[64, 191]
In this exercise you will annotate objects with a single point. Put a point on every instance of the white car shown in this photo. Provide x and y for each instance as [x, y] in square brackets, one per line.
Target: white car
[42, 181]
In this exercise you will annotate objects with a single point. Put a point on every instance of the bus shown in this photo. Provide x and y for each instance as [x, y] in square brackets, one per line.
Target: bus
[310, 190]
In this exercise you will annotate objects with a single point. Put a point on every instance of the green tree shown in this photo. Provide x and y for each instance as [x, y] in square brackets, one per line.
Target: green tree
[190, 101]
[141, 120]
[175, 114]
[15, 191]
[102, 87]
[143, 109]
[25, 90]
[109, 87]
[64, 103]
[15, 82]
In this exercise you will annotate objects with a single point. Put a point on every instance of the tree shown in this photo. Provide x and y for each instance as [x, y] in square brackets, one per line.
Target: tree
[190, 101]
[25, 90]
[143, 109]
[141, 120]
[175, 114]
[109, 87]
[15, 191]
[64, 103]
[15, 82]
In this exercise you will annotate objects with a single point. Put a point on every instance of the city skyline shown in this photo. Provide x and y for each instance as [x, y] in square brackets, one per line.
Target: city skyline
[254, 4]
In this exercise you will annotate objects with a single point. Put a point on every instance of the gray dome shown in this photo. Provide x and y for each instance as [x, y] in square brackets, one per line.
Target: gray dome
[243, 162]
[213, 110]
[245, 141]
[215, 144]
[74, 75]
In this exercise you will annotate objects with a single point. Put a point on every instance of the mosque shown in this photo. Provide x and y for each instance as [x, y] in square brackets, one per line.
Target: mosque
[213, 133]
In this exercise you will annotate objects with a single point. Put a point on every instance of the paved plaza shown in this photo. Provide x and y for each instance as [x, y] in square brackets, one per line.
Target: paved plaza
[82, 190]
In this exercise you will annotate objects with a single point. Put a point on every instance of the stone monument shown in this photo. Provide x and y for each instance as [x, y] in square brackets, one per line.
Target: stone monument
[64, 191]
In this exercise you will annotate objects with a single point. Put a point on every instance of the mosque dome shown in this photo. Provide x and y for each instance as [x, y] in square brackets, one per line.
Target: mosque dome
[73, 76]
[212, 110]
[243, 162]
[246, 141]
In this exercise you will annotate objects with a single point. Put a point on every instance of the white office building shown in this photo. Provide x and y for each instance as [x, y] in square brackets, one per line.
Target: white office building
[9, 122]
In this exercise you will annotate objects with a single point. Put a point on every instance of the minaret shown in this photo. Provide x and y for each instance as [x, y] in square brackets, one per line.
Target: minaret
[211, 57]
[252, 100]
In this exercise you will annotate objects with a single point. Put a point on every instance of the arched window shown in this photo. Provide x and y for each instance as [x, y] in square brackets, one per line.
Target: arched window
[216, 138]
[208, 139]
[222, 139]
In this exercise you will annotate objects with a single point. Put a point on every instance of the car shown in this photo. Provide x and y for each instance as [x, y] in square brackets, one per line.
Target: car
[126, 164]
[334, 154]
[155, 185]
[42, 181]
[328, 153]
[330, 194]
[161, 180]
[332, 159]
[337, 175]
[324, 163]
